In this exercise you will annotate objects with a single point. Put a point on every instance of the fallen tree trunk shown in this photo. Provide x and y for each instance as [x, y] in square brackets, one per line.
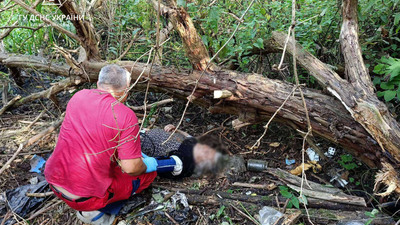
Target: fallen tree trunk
[255, 98]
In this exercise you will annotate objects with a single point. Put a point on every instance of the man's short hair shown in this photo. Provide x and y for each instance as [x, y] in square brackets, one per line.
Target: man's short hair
[114, 77]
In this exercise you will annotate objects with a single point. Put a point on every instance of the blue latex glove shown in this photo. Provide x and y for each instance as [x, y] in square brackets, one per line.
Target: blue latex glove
[144, 155]
[151, 164]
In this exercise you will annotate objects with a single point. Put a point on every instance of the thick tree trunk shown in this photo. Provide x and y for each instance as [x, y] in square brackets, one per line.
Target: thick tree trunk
[365, 109]
[255, 98]
[371, 113]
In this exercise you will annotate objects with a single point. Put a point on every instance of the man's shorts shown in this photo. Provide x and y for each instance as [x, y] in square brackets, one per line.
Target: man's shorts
[122, 187]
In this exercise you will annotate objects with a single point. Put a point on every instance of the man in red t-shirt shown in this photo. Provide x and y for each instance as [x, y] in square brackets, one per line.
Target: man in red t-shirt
[98, 159]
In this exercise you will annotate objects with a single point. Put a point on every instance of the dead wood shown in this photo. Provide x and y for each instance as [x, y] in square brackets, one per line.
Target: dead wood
[9, 104]
[149, 106]
[40, 195]
[31, 141]
[195, 49]
[255, 98]
[211, 197]
[315, 190]
[50, 92]
[363, 106]
[84, 29]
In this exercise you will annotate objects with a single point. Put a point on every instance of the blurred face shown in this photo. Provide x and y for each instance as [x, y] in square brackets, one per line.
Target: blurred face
[203, 153]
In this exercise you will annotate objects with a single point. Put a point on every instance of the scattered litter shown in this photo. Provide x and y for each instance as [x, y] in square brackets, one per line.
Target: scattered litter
[122, 222]
[269, 216]
[254, 179]
[340, 180]
[145, 211]
[187, 120]
[331, 152]
[312, 155]
[37, 163]
[181, 197]
[257, 165]
[311, 164]
[132, 204]
[274, 144]
[34, 180]
[22, 205]
[248, 193]
[167, 109]
[290, 161]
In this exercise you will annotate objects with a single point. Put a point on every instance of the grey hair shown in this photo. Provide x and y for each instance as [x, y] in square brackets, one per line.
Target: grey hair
[114, 77]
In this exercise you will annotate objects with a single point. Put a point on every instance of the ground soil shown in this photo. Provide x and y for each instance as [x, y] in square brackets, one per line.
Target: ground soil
[279, 144]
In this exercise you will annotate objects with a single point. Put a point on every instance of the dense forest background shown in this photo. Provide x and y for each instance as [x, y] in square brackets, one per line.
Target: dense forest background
[318, 29]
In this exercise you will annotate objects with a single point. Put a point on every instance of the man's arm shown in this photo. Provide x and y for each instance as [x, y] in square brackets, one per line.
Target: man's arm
[133, 167]
[138, 166]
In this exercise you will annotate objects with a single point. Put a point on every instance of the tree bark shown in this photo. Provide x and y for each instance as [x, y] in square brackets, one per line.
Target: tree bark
[367, 110]
[371, 113]
[84, 29]
[255, 98]
[195, 49]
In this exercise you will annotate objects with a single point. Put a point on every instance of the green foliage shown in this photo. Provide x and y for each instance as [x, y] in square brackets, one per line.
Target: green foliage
[221, 213]
[148, 117]
[371, 214]
[293, 200]
[317, 29]
[346, 161]
[389, 79]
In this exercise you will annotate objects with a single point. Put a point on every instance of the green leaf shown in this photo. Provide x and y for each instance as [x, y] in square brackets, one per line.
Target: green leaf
[220, 211]
[387, 86]
[398, 94]
[286, 194]
[378, 69]
[259, 43]
[380, 93]
[283, 188]
[295, 202]
[396, 18]
[389, 95]
[376, 81]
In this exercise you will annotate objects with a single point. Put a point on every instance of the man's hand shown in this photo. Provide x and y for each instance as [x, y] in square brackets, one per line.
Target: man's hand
[133, 167]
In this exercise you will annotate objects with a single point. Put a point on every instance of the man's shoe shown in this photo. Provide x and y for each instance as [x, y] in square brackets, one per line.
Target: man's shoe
[95, 217]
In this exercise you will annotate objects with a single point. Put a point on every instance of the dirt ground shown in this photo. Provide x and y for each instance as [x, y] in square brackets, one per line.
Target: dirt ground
[206, 205]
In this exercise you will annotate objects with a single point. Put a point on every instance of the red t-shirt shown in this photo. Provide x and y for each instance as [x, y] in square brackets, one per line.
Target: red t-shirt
[93, 129]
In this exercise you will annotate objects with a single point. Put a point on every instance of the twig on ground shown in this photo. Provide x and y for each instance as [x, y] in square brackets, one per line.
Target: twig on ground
[45, 209]
[245, 215]
[40, 195]
[248, 215]
[149, 106]
[170, 218]
[9, 104]
[268, 187]
[31, 141]
[36, 119]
